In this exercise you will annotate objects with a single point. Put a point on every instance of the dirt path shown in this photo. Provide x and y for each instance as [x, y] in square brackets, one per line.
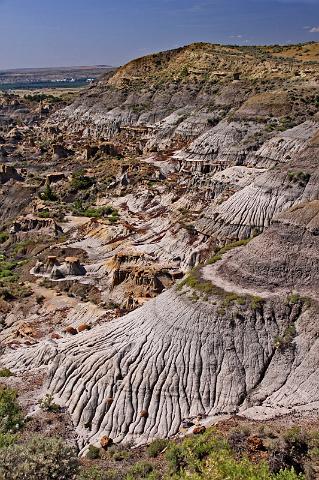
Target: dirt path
[212, 274]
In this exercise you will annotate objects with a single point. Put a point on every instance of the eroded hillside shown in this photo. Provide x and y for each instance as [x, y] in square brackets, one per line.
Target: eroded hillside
[159, 238]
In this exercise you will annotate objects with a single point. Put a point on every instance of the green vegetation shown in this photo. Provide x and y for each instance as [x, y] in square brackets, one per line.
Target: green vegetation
[209, 456]
[48, 195]
[222, 465]
[302, 178]
[44, 214]
[7, 439]
[156, 447]
[5, 373]
[285, 341]
[21, 247]
[93, 453]
[194, 281]
[41, 97]
[82, 210]
[7, 269]
[230, 246]
[205, 287]
[80, 181]
[233, 298]
[3, 237]
[141, 470]
[97, 473]
[11, 417]
[38, 459]
[294, 299]
[257, 302]
[47, 404]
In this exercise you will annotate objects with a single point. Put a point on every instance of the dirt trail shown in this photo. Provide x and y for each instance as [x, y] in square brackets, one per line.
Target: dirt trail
[212, 274]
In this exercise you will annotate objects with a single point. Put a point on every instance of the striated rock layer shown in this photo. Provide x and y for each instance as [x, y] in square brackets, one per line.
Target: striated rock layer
[209, 348]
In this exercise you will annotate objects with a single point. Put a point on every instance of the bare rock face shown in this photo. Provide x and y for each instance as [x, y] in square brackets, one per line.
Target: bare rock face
[72, 267]
[33, 226]
[7, 173]
[283, 252]
[55, 177]
[59, 152]
[218, 148]
[275, 104]
[52, 268]
[46, 268]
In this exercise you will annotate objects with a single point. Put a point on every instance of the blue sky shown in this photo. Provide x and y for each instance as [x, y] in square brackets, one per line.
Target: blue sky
[35, 33]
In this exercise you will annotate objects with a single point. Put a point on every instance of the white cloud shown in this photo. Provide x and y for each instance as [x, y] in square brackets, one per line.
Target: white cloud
[314, 30]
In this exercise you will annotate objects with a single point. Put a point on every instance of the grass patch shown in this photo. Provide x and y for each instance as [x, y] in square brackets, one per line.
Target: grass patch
[230, 246]
[257, 302]
[3, 237]
[282, 342]
[209, 456]
[194, 281]
[7, 269]
[6, 373]
[156, 447]
[81, 210]
[231, 298]
[141, 470]
[80, 181]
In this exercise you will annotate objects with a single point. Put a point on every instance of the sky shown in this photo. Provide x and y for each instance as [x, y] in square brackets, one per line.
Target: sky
[44, 33]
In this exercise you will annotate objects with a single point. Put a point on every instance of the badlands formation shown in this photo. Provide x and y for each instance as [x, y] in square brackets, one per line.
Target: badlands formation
[165, 231]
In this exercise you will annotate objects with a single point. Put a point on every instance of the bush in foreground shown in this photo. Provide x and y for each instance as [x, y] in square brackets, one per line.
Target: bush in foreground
[41, 458]
[11, 417]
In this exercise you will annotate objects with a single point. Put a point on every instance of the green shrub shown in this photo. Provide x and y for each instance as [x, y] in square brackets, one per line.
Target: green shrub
[97, 473]
[294, 299]
[80, 181]
[82, 210]
[257, 302]
[47, 404]
[156, 447]
[119, 454]
[44, 214]
[6, 269]
[3, 237]
[7, 439]
[230, 246]
[39, 459]
[5, 372]
[141, 470]
[189, 454]
[48, 195]
[194, 281]
[222, 465]
[93, 452]
[21, 247]
[233, 298]
[284, 341]
[302, 178]
[11, 418]
[214, 259]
